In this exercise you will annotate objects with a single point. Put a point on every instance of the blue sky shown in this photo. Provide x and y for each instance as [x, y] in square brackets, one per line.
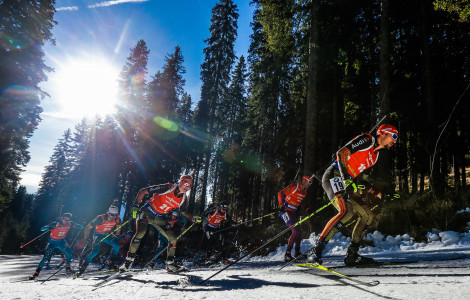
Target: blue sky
[90, 30]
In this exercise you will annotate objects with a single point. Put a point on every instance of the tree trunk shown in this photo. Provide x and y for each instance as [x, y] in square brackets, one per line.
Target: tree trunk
[384, 82]
[434, 178]
[384, 163]
[312, 92]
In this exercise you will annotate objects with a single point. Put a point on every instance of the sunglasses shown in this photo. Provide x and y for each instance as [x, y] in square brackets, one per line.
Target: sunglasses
[394, 135]
[66, 219]
[187, 184]
[113, 215]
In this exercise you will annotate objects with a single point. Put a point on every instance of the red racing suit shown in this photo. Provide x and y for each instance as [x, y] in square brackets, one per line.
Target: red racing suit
[59, 232]
[103, 226]
[357, 156]
[215, 218]
[163, 198]
[291, 197]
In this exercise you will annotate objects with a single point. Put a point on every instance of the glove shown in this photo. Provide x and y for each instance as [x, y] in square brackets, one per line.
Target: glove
[196, 219]
[135, 210]
[282, 209]
[45, 228]
[351, 187]
[391, 197]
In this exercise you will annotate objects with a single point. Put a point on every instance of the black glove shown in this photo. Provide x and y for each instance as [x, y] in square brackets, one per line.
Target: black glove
[282, 209]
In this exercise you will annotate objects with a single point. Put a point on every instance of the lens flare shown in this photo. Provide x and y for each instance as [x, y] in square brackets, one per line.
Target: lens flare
[165, 123]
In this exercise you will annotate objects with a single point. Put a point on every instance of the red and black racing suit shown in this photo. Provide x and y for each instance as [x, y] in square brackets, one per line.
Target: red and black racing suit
[353, 159]
[291, 198]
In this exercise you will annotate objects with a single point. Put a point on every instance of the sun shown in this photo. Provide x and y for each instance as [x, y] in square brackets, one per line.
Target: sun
[86, 88]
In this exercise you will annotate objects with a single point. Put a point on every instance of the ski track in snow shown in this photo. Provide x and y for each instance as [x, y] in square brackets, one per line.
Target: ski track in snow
[260, 278]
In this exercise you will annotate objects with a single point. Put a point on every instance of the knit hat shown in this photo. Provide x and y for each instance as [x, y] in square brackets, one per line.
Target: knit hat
[113, 210]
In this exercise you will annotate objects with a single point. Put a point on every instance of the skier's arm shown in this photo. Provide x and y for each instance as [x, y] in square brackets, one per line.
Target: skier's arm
[281, 197]
[343, 165]
[118, 225]
[89, 227]
[207, 212]
[142, 193]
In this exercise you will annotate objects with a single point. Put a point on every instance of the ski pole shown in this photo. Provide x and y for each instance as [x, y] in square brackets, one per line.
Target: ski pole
[270, 214]
[269, 241]
[161, 251]
[22, 246]
[303, 254]
[97, 243]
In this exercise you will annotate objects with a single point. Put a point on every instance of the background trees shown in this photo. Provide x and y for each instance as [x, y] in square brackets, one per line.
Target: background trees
[316, 75]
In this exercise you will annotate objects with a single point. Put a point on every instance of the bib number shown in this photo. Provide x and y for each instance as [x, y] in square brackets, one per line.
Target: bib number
[337, 184]
[285, 218]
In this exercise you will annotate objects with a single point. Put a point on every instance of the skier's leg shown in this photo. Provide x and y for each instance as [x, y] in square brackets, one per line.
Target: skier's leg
[65, 248]
[171, 264]
[47, 255]
[365, 219]
[140, 231]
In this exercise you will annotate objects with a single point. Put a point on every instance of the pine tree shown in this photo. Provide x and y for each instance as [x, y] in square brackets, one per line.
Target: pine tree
[219, 56]
[49, 202]
[163, 143]
[26, 27]
[233, 106]
[133, 111]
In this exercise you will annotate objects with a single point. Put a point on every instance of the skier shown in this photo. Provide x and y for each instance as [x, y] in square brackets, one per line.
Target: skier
[290, 198]
[339, 181]
[162, 199]
[103, 226]
[124, 240]
[59, 230]
[217, 218]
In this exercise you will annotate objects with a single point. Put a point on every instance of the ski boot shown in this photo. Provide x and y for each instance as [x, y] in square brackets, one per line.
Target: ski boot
[128, 262]
[227, 261]
[69, 270]
[35, 275]
[316, 253]
[81, 270]
[297, 253]
[353, 258]
[172, 266]
[288, 256]
[113, 264]
[208, 260]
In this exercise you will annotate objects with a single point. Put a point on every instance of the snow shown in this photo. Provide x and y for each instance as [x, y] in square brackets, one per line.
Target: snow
[442, 271]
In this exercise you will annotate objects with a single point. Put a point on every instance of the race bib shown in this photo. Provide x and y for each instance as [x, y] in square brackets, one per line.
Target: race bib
[337, 184]
[285, 218]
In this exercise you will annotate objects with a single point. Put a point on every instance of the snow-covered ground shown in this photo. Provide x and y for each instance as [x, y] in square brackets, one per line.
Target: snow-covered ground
[442, 272]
